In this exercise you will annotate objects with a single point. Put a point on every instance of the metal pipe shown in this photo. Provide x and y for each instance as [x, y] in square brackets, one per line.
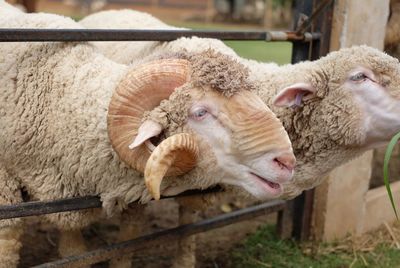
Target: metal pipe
[123, 248]
[55, 35]
[74, 203]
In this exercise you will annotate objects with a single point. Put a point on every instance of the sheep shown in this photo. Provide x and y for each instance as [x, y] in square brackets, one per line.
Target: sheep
[318, 146]
[73, 128]
[341, 106]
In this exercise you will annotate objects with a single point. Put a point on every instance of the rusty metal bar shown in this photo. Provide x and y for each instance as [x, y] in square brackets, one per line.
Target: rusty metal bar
[55, 35]
[75, 203]
[123, 248]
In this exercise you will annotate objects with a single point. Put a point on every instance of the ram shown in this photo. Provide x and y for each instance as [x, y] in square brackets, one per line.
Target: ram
[75, 123]
[340, 105]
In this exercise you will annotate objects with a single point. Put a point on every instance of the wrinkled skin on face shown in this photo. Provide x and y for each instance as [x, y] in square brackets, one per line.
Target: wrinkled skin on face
[248, 142]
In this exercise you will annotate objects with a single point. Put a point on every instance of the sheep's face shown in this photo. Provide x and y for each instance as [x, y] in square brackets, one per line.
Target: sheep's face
[377, 94]
[186, 118]
[356, 89]
[252, 149]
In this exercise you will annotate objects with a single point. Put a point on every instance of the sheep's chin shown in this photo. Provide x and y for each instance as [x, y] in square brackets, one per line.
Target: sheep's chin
[259, 187]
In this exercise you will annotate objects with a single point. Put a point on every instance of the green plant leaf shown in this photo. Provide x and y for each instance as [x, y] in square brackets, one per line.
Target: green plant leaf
[388, 155]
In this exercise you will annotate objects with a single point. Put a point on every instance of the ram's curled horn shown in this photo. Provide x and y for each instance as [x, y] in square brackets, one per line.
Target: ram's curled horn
[141, 90]
[176, 154]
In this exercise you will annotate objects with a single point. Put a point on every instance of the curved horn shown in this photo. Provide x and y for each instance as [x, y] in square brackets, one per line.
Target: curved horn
[181, 149]
[142, 89]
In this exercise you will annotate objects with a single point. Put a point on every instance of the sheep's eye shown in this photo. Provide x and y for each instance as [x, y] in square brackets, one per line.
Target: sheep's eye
[199, 113]
[358, 77]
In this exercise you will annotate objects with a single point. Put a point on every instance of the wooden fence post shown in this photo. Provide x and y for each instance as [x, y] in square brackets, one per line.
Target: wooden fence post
[340, 202]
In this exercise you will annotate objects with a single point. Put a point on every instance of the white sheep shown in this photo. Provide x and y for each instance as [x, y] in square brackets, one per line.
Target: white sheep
[73, 126]
[341, 105]
[334, 109]
[322, 140]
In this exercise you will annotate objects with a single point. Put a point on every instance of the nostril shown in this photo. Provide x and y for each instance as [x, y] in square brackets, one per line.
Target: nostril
[286, 161]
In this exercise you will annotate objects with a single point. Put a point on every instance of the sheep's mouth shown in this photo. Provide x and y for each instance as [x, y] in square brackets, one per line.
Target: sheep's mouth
[272, 186]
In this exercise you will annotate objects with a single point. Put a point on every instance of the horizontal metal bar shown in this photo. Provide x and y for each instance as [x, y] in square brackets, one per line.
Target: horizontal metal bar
[53, 35]
[69, 204]
[42, 207]
[123, 248]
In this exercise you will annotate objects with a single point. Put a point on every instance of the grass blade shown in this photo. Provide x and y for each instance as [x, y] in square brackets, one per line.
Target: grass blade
[388, 155]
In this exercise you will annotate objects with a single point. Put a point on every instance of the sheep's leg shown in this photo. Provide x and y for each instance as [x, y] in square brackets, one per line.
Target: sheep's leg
[11, 229]
[186, 254]
[71, 243]
[130, 227]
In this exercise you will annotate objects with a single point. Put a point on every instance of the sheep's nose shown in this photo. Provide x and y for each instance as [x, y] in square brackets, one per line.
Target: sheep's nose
[287, 161]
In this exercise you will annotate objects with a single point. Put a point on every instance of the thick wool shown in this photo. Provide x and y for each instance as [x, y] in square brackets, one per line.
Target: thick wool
[54, 103]
[209, 71]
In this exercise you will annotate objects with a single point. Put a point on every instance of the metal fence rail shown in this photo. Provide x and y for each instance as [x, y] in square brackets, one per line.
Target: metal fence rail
[35, 208]
[130, 246]
[40, 35]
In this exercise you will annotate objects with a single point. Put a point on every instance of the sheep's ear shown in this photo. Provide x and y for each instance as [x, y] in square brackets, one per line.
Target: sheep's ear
[293, 95]
[147, 130]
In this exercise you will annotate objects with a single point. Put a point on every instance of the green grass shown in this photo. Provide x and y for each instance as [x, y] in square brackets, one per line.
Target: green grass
[265, 249]
[279, 52]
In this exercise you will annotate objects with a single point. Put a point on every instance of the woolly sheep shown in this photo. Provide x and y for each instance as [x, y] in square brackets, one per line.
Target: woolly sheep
[70, 114]
[335, 122]
[341, 106]
[322, 140]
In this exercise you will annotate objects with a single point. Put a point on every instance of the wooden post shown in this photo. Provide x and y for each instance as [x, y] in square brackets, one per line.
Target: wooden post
[340, 202]
[268, 14]
[30, 5]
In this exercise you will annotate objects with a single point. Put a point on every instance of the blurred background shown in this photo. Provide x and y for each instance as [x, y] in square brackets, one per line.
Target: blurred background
[195, 14]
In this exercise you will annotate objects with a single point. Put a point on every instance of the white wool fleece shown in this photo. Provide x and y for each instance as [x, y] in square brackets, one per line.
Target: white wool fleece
[54, 103]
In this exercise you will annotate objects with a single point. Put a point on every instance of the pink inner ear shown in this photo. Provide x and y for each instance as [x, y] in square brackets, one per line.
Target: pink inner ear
[293, 95]
[146, 131]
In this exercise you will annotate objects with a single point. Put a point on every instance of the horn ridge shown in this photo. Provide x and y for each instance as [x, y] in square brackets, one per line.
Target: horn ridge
[140, 90]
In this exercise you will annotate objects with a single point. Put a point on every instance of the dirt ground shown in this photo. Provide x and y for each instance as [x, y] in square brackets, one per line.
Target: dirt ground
[213, 247]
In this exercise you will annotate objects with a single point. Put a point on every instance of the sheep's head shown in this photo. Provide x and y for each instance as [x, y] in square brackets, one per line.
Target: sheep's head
[166, 112]
[358, 90]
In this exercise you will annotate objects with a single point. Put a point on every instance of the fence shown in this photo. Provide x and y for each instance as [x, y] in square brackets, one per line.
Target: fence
[294, 217]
